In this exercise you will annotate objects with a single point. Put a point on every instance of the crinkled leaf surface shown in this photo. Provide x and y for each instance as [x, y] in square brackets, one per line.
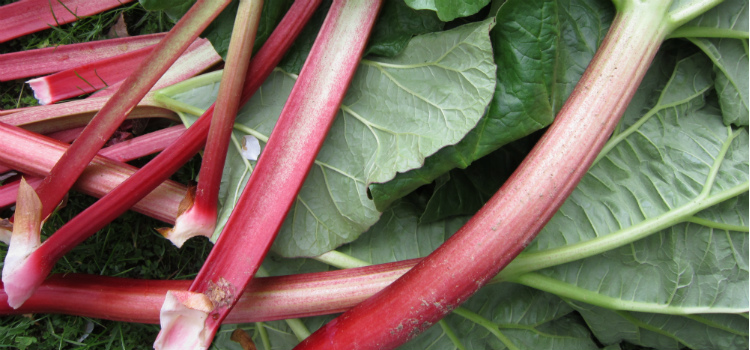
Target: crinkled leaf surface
[394, 115]
[667, 332]
[541, 49]
[730, 58]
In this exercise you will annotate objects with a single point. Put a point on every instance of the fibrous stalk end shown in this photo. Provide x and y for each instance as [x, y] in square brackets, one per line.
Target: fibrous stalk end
[41, 89]
[21, 273]
[183, 316]
[192, 220]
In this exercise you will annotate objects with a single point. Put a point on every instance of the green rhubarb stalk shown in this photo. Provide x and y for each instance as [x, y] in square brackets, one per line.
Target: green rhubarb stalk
[275, 182]
[535, 191]
[199, 219]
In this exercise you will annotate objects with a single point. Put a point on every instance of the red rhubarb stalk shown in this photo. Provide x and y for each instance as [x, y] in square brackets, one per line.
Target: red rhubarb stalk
[105, 122]
[197, 59]
[156, 171]
[519, 210]
[266, 299]
[298, 135]
[199, 219]
[29, 16]
[112, 71]
[31, 63]
[33, 154]
[99, 179]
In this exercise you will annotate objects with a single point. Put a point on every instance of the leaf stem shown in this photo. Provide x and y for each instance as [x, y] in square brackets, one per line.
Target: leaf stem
[569, 291]
[487, 324]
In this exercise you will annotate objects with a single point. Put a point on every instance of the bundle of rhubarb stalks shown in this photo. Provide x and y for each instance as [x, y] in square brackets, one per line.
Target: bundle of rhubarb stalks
[377, 174]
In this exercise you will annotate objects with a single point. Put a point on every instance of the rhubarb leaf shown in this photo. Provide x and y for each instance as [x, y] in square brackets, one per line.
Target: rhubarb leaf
[396, 25]
[448, 10]
[730, 58]
[668, 332]
[397, 111]
[509, 317]
[541, 49]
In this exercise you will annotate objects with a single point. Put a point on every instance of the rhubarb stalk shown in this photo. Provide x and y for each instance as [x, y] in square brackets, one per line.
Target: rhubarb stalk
[519, 210]
[157, 170]
[29, 16]
[199, 219]
[20, 284]
[66, 171]
[298, 135]
[35, 155]
[111, 72]
[31, 63]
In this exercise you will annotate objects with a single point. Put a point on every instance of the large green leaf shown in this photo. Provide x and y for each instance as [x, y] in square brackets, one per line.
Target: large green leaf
[509, 317]
[397, 111]
[541, 49]
[667, 332]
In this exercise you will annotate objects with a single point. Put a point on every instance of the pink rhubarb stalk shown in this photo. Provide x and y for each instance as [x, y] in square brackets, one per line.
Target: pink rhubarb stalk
[514, 215]
[167, 162]
[278, 175]
[98, 180]
[29, 16]
[199, 219]
[266, 299]
[63, 116]
[105, 122]
[33, 154]
[197, 58]
[31, 63]
[112, 71]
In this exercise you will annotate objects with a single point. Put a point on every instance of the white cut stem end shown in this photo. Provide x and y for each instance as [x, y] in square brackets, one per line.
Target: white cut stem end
[183, 317]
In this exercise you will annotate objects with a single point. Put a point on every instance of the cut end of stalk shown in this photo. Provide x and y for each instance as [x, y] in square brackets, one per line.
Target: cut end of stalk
[183, 316]
[41, 90]
[21, 276]
[192, 221]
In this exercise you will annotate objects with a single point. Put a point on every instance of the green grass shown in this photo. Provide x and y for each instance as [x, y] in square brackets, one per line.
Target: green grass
[128, 247]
